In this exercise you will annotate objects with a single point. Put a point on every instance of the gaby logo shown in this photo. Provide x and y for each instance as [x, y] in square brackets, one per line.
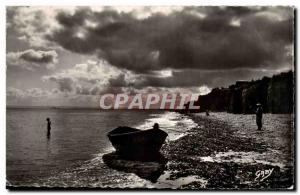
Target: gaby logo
[149, 101]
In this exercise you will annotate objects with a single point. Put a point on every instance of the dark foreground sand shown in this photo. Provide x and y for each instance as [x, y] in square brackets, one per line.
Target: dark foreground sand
[227, 152]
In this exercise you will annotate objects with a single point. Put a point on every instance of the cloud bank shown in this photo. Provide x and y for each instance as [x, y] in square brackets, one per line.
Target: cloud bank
[32, 59]
[146, 49]
[206, 38]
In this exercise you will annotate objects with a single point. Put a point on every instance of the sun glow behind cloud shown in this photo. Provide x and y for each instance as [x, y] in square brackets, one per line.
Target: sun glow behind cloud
[145, 49]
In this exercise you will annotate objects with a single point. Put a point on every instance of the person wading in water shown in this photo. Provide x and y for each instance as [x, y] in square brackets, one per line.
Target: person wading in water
[48, 127]
[259, 113]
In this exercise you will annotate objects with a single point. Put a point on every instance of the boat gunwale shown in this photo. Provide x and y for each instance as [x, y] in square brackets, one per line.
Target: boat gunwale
[135, 132]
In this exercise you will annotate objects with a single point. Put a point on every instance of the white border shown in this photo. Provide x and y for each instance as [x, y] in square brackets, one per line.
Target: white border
[152, 2]
[5, 3]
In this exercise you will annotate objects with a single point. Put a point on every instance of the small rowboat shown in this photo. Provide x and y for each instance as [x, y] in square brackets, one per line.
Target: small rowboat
[135, 143]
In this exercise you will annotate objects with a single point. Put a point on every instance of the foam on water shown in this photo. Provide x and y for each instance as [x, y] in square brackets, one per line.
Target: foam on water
[241, 157]
[175, 124]
[94, 173]
[165, 182]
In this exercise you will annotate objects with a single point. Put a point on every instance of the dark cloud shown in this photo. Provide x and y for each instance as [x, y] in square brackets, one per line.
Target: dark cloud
[82, 90]
[38, 56]
[118, 81]
[206, 38]
[65, 84]
[146, 50]
[192, 78]
[32, 59]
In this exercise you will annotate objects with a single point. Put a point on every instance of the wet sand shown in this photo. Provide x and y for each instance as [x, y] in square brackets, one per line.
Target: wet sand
[226, 151]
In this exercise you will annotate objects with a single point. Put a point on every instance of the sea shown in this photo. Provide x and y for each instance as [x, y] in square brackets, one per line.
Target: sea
[72, 155]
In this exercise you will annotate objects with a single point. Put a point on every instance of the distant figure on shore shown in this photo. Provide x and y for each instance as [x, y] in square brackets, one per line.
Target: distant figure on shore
[259, 113]
[207, 113]
[48, 127]
[156, 126]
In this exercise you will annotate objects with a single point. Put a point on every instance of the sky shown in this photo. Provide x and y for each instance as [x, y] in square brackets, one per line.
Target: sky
[70, 56]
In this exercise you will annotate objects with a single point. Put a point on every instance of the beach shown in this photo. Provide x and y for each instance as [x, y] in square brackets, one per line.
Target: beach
[226, 151]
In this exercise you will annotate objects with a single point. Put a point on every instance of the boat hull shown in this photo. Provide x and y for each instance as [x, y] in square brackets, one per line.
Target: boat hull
[134, 143]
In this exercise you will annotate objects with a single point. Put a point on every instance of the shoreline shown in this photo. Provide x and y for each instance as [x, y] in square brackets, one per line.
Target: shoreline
[214, 153]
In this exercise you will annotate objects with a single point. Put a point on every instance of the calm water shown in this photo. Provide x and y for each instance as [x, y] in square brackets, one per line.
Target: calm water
[78, 138]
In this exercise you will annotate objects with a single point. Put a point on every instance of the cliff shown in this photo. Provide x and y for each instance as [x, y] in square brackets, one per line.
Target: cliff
[275, 95]
[281, 93]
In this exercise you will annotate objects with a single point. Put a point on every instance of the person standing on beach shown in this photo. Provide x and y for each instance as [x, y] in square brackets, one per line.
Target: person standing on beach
[48, 127]
[207, 113]
[259, 113]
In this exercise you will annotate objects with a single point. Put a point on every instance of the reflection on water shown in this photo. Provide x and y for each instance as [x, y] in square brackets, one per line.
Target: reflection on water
[150, 170]
[175, 124]
[72, 155]
[76, 136]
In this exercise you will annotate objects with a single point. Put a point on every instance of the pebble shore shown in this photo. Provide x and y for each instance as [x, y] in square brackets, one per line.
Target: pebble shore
[224, 152]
